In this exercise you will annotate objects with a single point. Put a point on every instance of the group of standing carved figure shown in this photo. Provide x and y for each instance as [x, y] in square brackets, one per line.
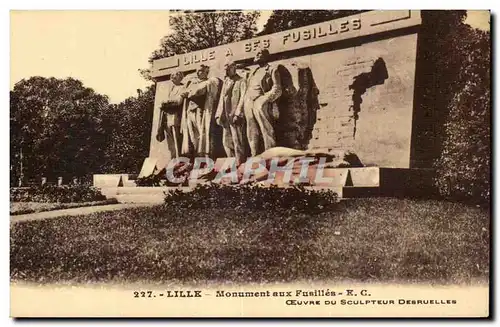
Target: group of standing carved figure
[244, 106]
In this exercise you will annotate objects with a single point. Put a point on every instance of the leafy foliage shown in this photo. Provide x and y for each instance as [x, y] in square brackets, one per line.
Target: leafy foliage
[59, 127]
[464, 164]
[454, 105]
[128, 127]
[200, 30]
[281, 20]
[52, 193]
[151, 180]
[253, 197]
[56, 127]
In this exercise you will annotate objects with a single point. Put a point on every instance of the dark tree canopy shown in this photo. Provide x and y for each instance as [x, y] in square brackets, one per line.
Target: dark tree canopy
[129, 132]
[459, 96]
[197, 30]
[59, 127]
[56, 127]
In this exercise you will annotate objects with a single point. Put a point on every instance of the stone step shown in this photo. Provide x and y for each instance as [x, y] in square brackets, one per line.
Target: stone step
[129, 183]
[347, 183]
[365, 177]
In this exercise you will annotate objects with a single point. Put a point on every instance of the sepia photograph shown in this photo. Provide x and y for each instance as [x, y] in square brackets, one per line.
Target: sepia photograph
[250, 163]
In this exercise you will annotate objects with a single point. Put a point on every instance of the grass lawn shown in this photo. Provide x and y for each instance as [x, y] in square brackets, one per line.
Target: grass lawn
[21, 208]
[378, 240]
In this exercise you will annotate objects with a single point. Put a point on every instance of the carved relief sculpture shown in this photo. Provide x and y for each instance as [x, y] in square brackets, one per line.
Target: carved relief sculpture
[169, 127]
[198, 113]
[260, 108]
[230, 115]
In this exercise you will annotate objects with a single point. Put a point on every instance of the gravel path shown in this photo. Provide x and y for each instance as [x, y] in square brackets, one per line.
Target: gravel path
[74, 211]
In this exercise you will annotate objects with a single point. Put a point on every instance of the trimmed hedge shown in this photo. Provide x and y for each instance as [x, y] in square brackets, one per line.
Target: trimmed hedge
[51, 193]
[253, 197]
[451, 131]
[463, 166]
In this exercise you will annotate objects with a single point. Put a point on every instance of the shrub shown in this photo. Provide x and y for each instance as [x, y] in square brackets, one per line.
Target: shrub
[52, 193]
[152, 180]
[463, 168]
[253, 197]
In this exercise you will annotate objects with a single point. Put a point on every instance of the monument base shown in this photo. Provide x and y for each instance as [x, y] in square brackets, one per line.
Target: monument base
[351, 183]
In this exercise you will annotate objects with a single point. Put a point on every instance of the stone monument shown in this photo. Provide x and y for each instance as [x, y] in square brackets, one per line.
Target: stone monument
[345, 84]
[351, 78]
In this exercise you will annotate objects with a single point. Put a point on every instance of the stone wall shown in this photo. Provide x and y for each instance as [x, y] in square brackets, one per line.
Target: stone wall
[367, 107]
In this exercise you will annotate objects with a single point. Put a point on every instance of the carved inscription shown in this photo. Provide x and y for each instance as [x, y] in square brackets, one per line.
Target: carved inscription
[304, 35]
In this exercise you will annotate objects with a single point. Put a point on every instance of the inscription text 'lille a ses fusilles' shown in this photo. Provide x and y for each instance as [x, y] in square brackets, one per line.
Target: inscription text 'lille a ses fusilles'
[314, 32]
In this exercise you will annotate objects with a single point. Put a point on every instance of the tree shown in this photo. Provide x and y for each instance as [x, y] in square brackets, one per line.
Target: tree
[196, 30]
[463, 166]
[56, 127]
[438, 63]
[128, 132]
[281, 20]
[451, 127]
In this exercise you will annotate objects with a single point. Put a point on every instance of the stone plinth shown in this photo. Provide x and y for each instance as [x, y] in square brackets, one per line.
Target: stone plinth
[346, 182]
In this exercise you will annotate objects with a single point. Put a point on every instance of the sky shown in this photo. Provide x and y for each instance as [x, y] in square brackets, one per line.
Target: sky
[103, 49]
